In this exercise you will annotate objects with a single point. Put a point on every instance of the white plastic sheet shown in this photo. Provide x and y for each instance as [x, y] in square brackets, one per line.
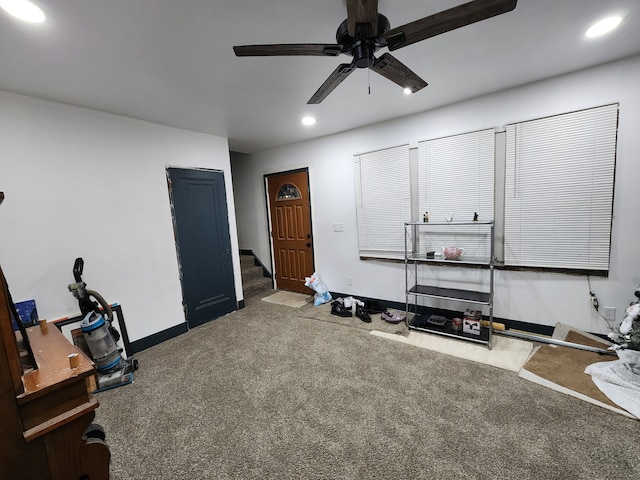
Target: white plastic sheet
[619, 380]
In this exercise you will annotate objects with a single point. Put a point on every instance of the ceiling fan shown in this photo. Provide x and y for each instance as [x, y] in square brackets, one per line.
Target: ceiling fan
[365, 31]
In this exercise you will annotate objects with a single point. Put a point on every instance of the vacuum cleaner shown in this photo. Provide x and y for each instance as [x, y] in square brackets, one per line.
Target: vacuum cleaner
[113, 369]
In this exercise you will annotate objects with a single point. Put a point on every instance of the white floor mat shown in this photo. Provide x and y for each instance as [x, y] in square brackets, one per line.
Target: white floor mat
[290, 299]
[507, 353]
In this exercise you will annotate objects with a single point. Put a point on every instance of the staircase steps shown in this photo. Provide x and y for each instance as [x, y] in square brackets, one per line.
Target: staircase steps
[253, 280]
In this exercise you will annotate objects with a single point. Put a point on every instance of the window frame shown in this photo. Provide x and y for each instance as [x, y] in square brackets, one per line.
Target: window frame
[414, 185]
[576, 227]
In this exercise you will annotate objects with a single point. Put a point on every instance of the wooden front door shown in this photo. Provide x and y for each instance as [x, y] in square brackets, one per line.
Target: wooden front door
[291, 229]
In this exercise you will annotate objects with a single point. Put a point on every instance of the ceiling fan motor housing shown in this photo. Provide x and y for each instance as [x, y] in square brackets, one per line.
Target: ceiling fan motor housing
[363, 47]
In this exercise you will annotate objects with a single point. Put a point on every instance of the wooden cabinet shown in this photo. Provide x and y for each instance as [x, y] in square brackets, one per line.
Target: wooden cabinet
[45, 408]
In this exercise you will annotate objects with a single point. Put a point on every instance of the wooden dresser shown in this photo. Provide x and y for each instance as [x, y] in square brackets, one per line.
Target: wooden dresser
[45, 411]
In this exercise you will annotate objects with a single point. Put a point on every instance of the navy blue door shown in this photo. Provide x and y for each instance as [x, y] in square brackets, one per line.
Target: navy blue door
[204, 247]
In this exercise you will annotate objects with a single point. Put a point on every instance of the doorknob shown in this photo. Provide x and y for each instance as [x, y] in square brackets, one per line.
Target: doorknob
[308, 244]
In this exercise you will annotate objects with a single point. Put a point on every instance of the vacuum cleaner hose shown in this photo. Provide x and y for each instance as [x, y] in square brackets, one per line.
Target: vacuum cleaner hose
[108, 313]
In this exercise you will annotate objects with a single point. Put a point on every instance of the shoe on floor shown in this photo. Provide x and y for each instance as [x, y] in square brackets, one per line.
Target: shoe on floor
[362, 314]
[392, 317]
[373, 306]
[337, 308]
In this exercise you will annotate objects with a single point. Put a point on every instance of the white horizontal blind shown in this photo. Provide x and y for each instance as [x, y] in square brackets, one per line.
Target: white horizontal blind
[559, 190]
[456, 180]
[383, 201]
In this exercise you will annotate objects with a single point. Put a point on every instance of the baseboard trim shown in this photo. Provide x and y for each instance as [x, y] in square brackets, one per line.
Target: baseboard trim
[157, 338]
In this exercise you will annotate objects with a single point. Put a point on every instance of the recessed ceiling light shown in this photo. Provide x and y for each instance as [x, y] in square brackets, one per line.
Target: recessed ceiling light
[23, 10]
[603, 26]
[308, 121]
[407, 91]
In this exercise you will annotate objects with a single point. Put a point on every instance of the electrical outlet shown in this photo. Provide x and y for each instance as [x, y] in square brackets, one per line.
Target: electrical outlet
[609, 313]
[350, 281]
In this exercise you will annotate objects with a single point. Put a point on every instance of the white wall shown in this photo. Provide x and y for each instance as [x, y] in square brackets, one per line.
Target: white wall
[252, 211]
[542, 298]
[82, 183]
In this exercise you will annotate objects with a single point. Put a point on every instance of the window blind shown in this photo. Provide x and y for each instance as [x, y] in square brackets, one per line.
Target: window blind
[559, 183]
[456, 181]
[383, 201]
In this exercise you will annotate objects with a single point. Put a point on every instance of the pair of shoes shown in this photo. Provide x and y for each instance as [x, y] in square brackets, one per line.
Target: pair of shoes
[362, 314]
[338, 308]
[372, 306]
[392, 317]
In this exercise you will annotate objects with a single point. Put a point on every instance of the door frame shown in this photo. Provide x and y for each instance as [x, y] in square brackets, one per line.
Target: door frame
[270, 224]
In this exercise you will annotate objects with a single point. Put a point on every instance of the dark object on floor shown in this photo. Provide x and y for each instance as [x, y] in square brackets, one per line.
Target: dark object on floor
[438, 320]
[431, 254]
[362, 314]
[95, 431]
[372, 306]
[337, 308]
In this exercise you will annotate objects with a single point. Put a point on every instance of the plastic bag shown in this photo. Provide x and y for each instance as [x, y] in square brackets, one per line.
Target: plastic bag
[322, 293]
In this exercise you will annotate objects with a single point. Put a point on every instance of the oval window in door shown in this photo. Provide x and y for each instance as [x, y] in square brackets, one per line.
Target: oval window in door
[288, 191]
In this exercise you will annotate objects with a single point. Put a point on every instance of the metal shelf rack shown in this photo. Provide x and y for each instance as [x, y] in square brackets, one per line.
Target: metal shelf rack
[417, 292]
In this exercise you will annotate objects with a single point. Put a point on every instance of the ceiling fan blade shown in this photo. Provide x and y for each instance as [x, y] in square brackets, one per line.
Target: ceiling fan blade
[390, 67]
[362, 18]
[335, 79]
[446, 21]
[316, 49]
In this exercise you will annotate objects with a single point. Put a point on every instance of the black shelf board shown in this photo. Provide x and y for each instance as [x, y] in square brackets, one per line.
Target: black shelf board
[451, 294]
[419, 322]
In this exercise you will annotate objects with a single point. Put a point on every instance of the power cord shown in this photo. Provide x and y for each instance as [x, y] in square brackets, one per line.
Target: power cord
[596, 305]
[594, 301]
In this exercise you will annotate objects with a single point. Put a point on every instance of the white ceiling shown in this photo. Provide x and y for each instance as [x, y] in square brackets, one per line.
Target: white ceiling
[171, 62]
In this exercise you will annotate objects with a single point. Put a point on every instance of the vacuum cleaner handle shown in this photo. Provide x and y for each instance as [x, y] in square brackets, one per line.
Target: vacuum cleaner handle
[78, 266]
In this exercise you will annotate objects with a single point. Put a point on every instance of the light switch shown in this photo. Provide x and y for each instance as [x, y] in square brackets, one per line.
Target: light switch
[338, 227]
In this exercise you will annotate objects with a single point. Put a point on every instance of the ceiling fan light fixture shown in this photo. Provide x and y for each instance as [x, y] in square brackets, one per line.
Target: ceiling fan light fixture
[407, 91]
[603, 26]
[308, 121]
[23, 10]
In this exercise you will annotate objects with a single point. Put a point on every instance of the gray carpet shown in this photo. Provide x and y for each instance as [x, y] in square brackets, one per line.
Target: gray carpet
[264, 393]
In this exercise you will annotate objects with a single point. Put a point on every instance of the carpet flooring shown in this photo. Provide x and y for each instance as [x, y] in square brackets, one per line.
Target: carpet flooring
[266, 393]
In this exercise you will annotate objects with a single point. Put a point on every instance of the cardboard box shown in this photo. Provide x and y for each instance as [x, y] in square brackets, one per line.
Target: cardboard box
[471, 325]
